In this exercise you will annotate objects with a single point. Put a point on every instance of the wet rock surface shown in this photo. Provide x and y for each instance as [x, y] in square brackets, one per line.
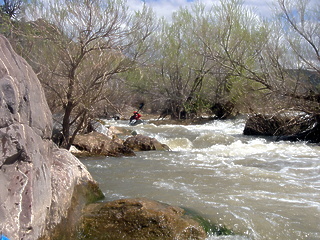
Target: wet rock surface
[138, 219]
[144, 143]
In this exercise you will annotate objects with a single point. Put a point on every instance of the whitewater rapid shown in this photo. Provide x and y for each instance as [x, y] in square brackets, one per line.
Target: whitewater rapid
[260, 188]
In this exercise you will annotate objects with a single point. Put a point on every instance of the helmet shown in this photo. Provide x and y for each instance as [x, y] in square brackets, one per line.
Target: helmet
[135, 112]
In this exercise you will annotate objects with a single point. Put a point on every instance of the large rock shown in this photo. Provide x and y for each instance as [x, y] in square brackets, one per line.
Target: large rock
[40, 184]
[311, 133]
[144, 143]
[290, 127]
[95, 143]
[119, 131]
[138, 219]
[277, 125]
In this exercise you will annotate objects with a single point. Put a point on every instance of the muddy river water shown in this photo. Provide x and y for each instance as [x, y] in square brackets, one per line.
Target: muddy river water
[260, 188]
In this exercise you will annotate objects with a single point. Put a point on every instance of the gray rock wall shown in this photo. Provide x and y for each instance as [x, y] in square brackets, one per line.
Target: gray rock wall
[37, 180]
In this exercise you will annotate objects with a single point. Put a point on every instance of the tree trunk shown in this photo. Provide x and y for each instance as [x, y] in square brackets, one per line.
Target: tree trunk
[66, 125]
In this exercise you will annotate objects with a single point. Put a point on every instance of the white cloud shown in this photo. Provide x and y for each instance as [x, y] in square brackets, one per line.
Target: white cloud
[165, 8]
[262, 7]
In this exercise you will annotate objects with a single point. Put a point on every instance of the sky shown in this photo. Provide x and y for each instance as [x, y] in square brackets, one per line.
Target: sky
[165, 8]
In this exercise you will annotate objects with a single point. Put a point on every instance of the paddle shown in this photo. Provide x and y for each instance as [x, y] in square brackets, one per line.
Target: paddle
[140, 106]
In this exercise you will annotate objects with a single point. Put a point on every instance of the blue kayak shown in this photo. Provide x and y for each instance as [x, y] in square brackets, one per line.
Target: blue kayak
[3, 237]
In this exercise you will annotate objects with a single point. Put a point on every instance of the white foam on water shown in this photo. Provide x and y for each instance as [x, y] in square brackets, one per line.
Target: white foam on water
[260, 188]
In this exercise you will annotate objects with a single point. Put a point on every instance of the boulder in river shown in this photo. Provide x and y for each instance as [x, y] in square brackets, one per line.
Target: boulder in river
[41, 185]
[94, 143]
[309, 134]
[144, 143]
[298, 127]
[138, 219]
[119, 131]
[277, 125]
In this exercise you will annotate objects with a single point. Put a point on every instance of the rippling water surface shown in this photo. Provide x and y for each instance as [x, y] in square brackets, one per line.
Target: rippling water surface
[259, 188]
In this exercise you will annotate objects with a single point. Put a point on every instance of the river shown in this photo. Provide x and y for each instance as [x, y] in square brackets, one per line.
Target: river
[259, 188]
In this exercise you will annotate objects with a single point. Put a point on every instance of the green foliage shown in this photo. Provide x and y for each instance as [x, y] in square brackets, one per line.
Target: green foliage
[198, 104]
[210, 228]
[80, 49]
[209, 52]
[90, 54]
[5, 24]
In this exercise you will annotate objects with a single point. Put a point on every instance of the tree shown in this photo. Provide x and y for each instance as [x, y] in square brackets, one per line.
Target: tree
[299, 20]
[301, 23]
[84, 46]
[207, 56]
[11, 7]
[216, 54]
[240, 38]
[176, 71]
[9, 11]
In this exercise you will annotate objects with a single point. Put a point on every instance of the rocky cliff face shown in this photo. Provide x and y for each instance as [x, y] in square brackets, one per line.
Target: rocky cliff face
[38, 181]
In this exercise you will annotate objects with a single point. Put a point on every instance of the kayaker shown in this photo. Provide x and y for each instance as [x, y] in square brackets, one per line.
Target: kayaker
[136, 116]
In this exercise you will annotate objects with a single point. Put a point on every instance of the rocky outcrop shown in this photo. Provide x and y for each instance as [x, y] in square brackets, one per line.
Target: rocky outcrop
[296, 127]
[276, 125]
[262, 125]
[38, 180]
[309, 133]
[138, 219]
[111, 143]
[144, 143]
[95, 143]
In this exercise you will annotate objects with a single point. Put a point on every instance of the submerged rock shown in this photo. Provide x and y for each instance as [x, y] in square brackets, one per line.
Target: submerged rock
[138, 219]
[39, 181]
[144, 143]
